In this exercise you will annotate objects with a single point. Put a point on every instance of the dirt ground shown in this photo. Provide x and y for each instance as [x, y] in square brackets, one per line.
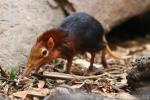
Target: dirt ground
[110, 82]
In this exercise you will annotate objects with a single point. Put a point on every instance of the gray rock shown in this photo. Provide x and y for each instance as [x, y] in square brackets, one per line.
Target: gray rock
[112, 12]
[20, 23]
[22, 20]
[4, 97]
[140, 72]
[66, 93]
[142, 93]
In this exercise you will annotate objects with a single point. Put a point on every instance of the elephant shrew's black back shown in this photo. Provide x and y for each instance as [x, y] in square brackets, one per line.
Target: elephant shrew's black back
[85, 29]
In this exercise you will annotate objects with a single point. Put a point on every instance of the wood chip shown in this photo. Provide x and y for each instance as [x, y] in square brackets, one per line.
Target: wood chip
[21, 94]
[38, 92]
[41, 84]
[34, 92]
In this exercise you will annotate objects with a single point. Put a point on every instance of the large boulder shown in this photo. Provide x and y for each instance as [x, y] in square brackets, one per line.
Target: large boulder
[112, 12]
[22, 20]
[20, 23]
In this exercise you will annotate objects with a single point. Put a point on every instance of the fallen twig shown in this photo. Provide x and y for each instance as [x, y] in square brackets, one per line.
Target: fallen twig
[62, 76]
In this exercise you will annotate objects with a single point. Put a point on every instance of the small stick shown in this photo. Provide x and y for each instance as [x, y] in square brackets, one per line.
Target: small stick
[62, 76]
